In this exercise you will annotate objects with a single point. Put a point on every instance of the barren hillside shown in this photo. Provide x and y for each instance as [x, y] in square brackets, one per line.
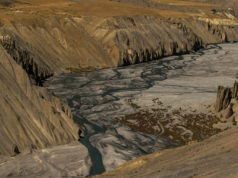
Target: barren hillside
[30, 117]
[81, 35]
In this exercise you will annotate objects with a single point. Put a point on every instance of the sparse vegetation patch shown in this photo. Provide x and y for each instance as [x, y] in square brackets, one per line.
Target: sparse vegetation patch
[177, 125]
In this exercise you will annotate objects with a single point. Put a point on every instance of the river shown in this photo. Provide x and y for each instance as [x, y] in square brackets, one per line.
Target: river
[97, 97]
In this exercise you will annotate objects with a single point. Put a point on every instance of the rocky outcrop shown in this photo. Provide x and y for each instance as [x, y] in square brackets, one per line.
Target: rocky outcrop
[29, 58]
[235, 91]
[227, 102]
[225, 95]
[68, 41]
[30, 117]
[130, 40]
[69, 160]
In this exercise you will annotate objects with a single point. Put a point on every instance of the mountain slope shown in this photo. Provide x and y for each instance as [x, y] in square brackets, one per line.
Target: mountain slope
[70, 36]
[30, 117]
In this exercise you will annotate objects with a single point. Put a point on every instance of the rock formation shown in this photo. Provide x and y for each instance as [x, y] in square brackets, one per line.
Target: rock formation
[110, 34]
[30, 117]
[227, 102]
[224, 96]
[30, 59]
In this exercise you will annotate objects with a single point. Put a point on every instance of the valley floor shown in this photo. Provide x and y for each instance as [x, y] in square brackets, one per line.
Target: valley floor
[99, 98]
[186, 83]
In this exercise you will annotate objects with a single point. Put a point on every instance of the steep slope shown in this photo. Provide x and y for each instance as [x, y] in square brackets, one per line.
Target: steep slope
[63, 36]
[30, 117]
[226, 105]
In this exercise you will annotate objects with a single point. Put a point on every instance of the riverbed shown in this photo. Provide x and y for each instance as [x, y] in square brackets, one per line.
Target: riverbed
[98, 97]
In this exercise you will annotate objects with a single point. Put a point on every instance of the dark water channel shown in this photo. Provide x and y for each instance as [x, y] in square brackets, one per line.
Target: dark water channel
[97, 97]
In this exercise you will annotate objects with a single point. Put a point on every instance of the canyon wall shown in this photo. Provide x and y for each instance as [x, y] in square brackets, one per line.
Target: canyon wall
[75, 44]
[227, 103]
[30, 117]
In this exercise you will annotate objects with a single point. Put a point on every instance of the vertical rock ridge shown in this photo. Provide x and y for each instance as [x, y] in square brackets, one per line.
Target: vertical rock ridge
[28, 57]
[225, 95]
[30, 117]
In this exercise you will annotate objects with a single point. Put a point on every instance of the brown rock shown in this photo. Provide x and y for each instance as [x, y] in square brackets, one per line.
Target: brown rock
[30, 117]
[235, 90]
[229, 111]
[224, 96]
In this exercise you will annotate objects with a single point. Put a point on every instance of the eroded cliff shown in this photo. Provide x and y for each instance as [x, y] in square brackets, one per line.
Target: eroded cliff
[227, 103]
[30, 117]
[109, 34]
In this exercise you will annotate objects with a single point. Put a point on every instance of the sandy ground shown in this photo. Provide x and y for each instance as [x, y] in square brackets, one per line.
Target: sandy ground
[192, 81]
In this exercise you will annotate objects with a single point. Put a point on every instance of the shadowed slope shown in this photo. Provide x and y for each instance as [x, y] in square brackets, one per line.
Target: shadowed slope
[29, 116]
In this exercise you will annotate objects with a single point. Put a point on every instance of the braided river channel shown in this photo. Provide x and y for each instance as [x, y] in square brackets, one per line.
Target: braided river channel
[96, 98]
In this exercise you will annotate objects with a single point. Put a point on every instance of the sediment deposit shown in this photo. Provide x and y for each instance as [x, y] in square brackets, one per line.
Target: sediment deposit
[159, 105]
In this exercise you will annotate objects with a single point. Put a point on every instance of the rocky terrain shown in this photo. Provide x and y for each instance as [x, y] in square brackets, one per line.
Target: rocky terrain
[40, 39]
[81, 35]
[97, 98]
[30, 117]
[226, 103]
[68, 160]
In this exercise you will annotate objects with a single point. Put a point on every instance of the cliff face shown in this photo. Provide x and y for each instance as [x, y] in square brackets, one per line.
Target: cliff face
[227, 102]
[30, 59]
[108, 34]
[95, 42]
[140, 39]
[30, 117]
